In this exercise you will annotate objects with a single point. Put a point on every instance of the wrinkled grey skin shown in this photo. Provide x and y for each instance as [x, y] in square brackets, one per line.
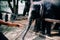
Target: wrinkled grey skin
[55, 2]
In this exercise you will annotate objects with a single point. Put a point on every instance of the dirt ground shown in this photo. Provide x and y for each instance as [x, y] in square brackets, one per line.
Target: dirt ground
[16, 34]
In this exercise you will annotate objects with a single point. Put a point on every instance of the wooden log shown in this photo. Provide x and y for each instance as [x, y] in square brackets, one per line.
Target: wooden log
[5, 12]
[52, 20]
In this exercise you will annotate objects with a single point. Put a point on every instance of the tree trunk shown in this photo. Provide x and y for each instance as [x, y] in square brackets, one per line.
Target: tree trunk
[14, 9]
[10, 6]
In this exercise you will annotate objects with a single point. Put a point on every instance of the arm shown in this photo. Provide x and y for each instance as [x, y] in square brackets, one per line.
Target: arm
[10, 23]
